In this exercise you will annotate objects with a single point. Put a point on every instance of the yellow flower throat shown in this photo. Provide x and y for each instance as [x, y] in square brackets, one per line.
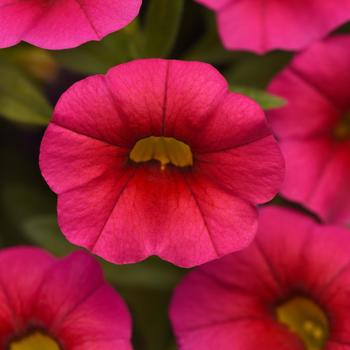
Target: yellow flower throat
[166, 150]
[306, 320]
[34, 341]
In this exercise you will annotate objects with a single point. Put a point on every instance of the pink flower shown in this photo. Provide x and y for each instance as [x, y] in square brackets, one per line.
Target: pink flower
[289, 290]
[52, 304]
[158, 158]
[261, 26]
[314, 128]
[62, 24]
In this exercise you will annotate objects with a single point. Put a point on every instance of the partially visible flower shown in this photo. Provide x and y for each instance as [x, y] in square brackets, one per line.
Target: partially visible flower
[62, 24]
[289, 290]
[158, 158]
[314, 128]
[261, 26]
[52, 304]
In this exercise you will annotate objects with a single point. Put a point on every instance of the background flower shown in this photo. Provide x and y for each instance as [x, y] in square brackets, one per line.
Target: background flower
[65, 302]
[62, 24]
[288, 24]
[314, 128]
[288, 290]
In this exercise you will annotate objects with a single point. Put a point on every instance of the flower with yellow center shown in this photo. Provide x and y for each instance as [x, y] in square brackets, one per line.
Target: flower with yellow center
[289, 290]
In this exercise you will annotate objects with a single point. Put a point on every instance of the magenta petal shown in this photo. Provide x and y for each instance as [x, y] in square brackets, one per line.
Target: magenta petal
[101, 321]
[305, 165]
[86, 311]
[87, 159]
[245, 171]
[315, 85]
[20, 279]
[63, 24]
[214, 4]
[330, 198]
[16, 17]
[68, 298]
[185, 224]
[316, 170]
[308, 116]
[239, 332]
[325, 66]
[290, 24]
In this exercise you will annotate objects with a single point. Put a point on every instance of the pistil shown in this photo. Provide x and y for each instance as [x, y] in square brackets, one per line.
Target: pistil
[165, 150]
[306, 320]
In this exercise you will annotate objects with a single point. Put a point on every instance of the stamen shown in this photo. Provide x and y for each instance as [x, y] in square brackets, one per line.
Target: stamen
[166, 150]
[34, 341]
[306, 320]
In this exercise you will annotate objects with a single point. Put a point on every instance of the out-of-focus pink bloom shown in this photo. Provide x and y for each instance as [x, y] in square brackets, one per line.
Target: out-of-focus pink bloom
[314, 128]
[158, 158]
[289, 290]
[62, 24]
[261, 26]
[49, 303]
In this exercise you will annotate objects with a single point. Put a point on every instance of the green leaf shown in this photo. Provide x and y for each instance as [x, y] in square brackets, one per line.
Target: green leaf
[263, 98]
[43, 231]
[98, 57]
[149, 308]
[20, 99]
[22, 201]
[162, 25]
[209, 47]
[256, 71]
[151, 273]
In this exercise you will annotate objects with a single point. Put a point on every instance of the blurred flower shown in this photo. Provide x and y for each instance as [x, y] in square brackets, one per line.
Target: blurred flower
[289, 290]
[314, 128]
[53, 304]
[258, 26]
[158, 158]
[61, 24]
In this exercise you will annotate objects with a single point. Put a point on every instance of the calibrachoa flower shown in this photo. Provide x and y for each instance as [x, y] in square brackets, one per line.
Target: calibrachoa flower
[289, 290]
[158, 158]
[261, 26]
[314, 128]
[61, 24]
[52, 304]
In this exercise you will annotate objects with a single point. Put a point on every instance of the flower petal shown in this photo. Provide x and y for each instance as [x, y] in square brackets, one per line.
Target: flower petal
[251, 171]
[325, 65]
[85, 158]
[16, 17]
[198, 99]
[101, 321]
[330, 197]
[54, 25]
[179, 227]
[308, 112]
[22, 271]
[85, 295]
[292, 25]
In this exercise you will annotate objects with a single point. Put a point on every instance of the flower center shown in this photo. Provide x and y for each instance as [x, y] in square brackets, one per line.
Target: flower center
[342, 129]
[305, 319]
[166, 150]
[34, 341]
